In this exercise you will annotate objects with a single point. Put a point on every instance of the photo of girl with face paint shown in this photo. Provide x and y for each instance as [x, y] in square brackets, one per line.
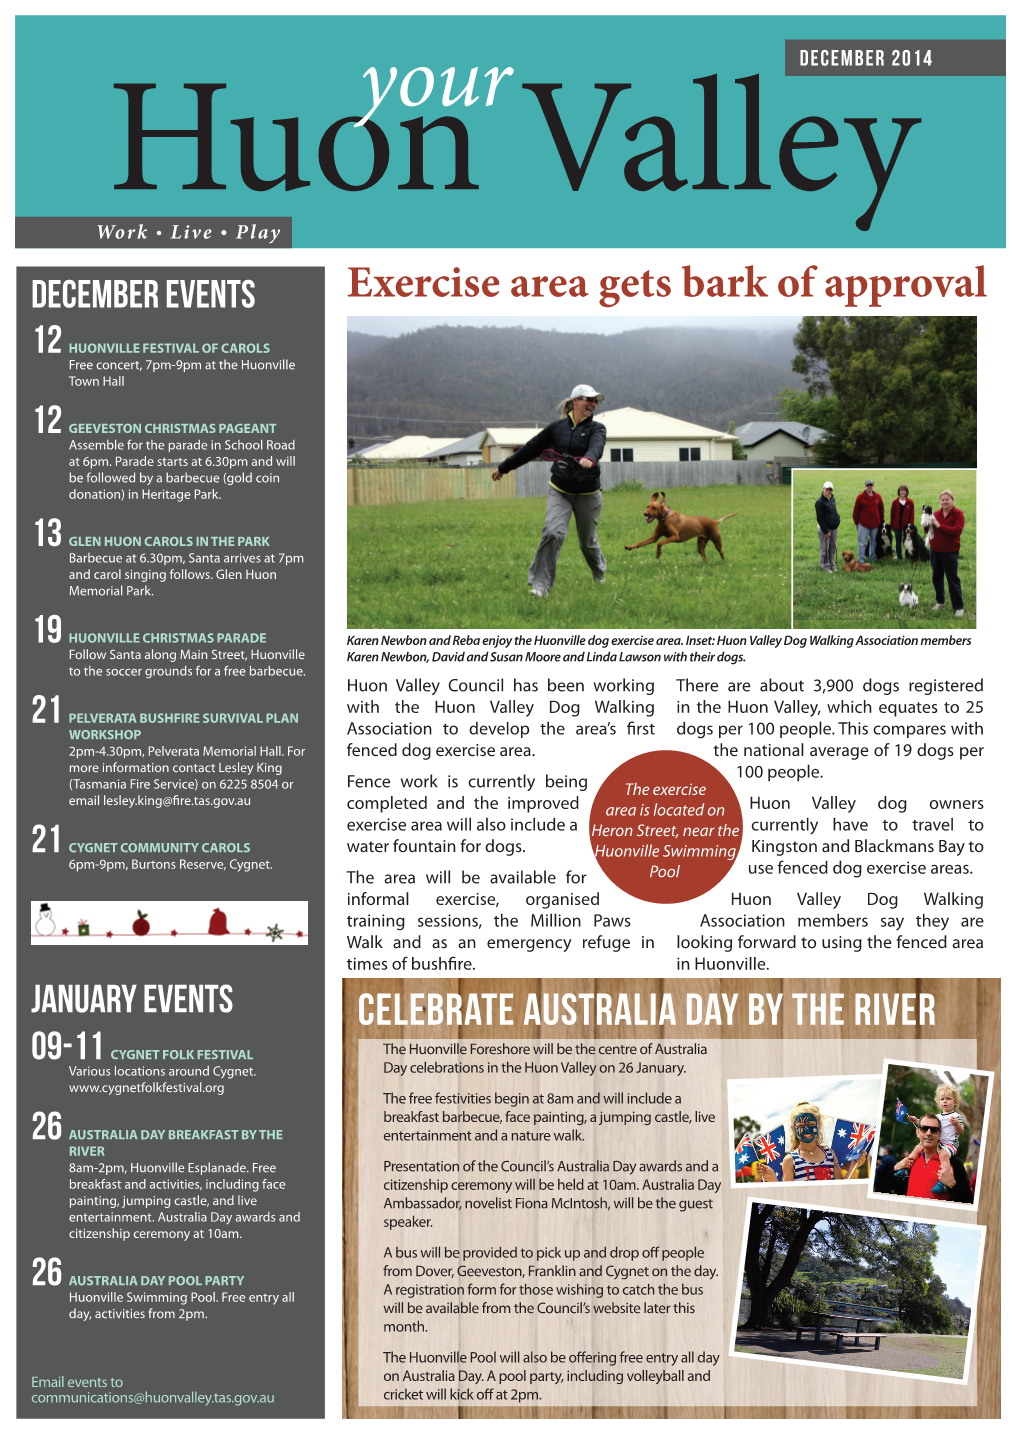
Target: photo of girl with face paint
[803, 1128]
[807, 1160]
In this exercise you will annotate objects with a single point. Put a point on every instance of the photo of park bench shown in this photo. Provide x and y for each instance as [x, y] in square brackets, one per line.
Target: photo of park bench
[827, 1286]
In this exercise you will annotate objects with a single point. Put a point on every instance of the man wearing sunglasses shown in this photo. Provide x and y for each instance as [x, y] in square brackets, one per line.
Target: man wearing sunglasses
[928, 1169]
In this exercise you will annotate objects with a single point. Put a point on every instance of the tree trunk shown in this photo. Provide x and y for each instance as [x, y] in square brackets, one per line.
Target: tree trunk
[793, 1255]
[760, 1214]
[763, 1291]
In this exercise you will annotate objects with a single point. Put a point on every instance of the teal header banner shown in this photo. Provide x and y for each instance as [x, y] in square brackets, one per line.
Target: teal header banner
[524, 131]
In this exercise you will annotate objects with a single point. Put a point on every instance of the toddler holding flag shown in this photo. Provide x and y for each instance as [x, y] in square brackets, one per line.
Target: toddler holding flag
[947, 1099]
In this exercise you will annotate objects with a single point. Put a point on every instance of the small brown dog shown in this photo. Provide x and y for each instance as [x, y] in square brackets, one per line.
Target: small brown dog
[849, 564]
[674, 526]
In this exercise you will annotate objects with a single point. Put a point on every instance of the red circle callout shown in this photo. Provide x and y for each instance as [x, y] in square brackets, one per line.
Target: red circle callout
[659, 803]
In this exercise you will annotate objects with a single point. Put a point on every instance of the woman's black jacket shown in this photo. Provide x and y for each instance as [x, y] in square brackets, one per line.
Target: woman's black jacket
[587, 438]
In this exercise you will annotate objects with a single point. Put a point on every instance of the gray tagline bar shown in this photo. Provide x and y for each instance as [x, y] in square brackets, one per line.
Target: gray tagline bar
[156, 232]
[895, 57]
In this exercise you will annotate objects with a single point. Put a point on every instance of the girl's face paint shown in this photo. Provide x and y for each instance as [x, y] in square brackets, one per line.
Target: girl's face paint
[805, 1126]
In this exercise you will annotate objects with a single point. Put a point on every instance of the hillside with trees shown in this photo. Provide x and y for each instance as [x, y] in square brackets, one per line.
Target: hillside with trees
[453, 380]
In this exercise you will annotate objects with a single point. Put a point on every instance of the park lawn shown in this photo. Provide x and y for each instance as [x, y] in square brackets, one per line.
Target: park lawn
[871, 601]
[948, 1354]
[464, 564]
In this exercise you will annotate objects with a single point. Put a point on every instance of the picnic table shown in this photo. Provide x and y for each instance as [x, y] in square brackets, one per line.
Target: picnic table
[840, 1332]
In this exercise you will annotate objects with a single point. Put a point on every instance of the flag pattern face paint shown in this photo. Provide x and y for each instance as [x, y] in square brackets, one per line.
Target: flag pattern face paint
[805, 1126]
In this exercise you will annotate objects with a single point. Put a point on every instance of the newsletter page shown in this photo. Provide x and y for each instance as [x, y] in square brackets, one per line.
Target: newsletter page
[504, 735]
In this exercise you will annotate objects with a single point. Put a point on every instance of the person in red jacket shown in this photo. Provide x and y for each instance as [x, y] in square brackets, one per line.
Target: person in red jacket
[869, 513]
[945, 553]
[901, 515]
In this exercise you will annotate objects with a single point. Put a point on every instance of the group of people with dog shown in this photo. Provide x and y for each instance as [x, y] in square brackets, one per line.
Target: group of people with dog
[939, 546]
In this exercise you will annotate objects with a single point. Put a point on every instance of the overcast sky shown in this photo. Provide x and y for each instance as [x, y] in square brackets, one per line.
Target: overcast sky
[586, 324]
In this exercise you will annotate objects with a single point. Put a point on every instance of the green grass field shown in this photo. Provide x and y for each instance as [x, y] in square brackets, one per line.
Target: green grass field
[465, 564]
[947, 1354]
[919, 1354]
[871, 601]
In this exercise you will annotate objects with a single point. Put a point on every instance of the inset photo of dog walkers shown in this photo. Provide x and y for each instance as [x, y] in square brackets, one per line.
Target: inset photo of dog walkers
[880, 549]
[885, 511]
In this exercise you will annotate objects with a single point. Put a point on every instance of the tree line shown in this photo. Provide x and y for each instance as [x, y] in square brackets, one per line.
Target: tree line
[887, 389]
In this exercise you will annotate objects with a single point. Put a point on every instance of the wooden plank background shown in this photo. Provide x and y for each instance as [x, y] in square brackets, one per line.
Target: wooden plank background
[964, 1008]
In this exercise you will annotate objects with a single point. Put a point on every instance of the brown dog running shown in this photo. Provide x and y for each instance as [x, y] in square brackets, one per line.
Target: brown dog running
[674, 526]
[849, 564]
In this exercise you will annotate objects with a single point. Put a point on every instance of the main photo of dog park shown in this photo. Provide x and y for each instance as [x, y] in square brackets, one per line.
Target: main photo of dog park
[546, 477]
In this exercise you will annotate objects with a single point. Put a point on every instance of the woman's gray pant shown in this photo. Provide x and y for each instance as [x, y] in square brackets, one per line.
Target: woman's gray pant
[827, 549]
[559, 507]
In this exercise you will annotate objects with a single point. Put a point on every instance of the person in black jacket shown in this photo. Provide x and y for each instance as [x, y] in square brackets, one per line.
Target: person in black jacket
[960, 1190]
[884, 1170]
[828, 525]
[575, 486]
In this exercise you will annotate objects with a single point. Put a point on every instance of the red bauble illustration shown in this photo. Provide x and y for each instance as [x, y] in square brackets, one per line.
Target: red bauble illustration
[141, 926]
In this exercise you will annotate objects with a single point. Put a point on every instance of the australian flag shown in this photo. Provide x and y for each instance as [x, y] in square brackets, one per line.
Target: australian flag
[862, 1148]
[744, 1155]
[851, 1141]
[771, 1147]
[901, 1111]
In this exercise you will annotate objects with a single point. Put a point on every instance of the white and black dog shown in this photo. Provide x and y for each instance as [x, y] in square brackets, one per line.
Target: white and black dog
[883, 543]
[914, 548]
[907, 597]
[927, 523]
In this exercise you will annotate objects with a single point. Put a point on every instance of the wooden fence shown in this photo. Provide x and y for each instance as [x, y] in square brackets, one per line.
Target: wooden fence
[533, 479]
[401, 485]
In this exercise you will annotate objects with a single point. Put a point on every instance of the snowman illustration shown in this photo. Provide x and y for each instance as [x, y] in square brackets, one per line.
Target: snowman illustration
[44, 923]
